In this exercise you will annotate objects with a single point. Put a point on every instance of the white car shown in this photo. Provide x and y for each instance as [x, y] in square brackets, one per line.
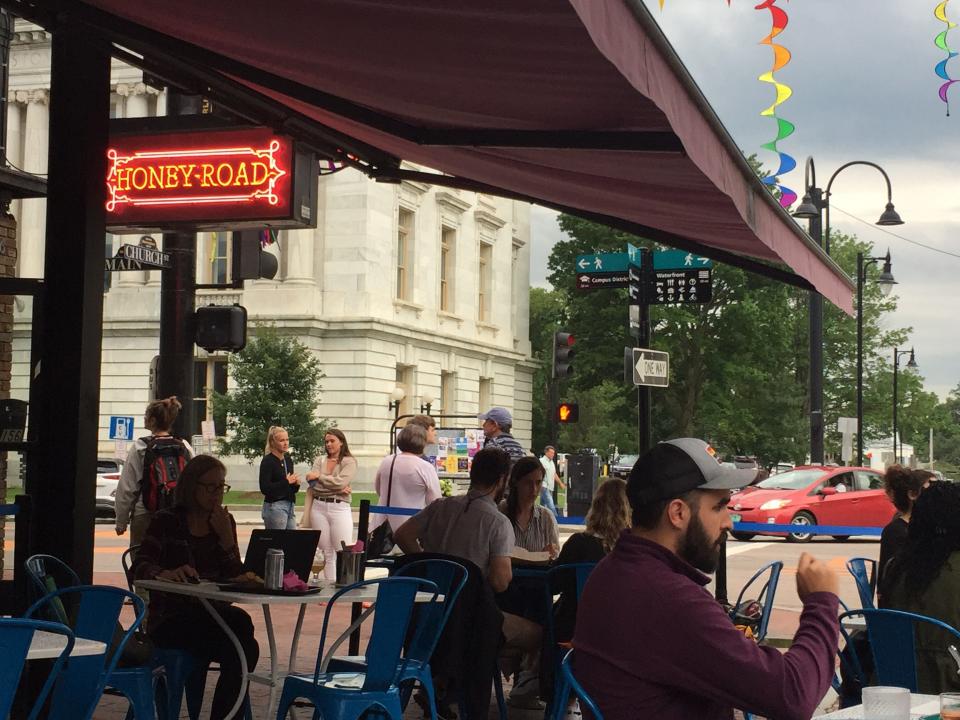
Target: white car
[108, 477]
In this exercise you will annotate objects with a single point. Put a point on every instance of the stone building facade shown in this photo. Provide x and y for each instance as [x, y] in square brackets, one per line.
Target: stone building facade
[411, 286]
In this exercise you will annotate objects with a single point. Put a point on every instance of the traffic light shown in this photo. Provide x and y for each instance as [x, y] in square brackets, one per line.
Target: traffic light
[221, 327]
[568, 412]
[562, 355]
[250, 262]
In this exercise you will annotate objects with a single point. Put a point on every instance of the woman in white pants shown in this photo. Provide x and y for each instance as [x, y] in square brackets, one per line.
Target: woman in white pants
[327, 506]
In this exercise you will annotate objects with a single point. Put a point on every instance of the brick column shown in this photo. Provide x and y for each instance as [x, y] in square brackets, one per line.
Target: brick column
[8, 268]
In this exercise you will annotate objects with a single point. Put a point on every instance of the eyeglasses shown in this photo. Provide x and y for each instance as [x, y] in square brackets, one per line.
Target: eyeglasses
[215, 489]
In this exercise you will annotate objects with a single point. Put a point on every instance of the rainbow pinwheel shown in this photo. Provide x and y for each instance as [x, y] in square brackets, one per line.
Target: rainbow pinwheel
[941, 42]
[781, 56]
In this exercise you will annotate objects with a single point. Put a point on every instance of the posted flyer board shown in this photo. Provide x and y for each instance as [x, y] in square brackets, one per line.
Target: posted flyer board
[453, 453]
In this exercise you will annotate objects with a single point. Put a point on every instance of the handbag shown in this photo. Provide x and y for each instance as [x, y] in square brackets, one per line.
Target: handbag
[381, 541]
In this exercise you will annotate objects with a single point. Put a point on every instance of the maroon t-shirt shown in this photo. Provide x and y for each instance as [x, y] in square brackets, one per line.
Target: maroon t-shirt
[651, 642]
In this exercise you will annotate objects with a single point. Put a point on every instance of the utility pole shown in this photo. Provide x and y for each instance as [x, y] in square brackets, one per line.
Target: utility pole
[644, 413]
[177, 303]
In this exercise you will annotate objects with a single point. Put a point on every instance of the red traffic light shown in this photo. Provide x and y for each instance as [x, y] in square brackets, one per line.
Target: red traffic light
[568, 412]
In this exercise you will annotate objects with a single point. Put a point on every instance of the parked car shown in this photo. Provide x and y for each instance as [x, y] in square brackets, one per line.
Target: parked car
[814, 495]
[108, 477]
[621, 467]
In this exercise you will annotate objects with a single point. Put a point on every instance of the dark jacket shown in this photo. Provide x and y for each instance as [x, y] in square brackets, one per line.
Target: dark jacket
[653, 643]
[273, 478]
[465, 659]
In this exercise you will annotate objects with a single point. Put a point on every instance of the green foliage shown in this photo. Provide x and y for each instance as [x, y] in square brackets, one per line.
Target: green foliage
[277, 382]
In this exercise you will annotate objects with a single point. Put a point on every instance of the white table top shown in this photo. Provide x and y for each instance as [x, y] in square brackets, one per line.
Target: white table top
[50, 645]
[210, 591]
[920, 706]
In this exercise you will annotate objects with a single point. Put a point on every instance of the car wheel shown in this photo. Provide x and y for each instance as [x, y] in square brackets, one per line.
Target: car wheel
[802, 518]
[743, 536]
[841, 538]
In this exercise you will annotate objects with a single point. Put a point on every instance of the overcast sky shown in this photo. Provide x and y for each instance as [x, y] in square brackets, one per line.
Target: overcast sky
[864, 88]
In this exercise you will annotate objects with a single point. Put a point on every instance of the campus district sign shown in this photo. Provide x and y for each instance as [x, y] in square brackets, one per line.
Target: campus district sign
[209, 180]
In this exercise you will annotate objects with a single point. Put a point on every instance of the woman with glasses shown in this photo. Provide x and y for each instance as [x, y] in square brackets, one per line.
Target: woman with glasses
[196, 539]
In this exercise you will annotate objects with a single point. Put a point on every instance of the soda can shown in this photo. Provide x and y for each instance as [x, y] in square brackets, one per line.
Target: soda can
[273, 569]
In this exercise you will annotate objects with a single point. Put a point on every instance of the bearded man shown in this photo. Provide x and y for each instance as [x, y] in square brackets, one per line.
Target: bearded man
[650, 640]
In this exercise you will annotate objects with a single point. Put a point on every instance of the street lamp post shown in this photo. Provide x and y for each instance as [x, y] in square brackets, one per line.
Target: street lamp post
[396, 397]
[911, 363]
[426, 400]
[886, 283]
[815, 201]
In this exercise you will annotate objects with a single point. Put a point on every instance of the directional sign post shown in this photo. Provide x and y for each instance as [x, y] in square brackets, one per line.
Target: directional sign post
[651, 368]
[599, 271]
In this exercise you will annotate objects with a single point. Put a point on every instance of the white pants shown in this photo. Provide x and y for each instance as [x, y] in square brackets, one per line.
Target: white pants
[335, 523]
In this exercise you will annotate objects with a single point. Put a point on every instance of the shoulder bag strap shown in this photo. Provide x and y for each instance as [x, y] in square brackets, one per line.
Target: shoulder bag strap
[390, 481]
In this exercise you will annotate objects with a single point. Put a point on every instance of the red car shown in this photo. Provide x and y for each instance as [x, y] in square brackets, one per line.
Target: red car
[814, 495]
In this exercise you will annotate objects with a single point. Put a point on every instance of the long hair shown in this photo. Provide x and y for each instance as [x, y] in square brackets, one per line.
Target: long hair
[609, 513]
[186, 493]
[900, 482]
[933, 535]
[524, 467]
[161, 414]
[344, 448]
[271, 434]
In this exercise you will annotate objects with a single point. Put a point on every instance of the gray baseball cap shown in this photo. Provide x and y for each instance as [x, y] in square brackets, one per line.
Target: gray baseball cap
[677, 466]
[501, 416]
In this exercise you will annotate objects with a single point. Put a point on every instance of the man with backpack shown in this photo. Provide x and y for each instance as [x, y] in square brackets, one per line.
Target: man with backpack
[150, 474]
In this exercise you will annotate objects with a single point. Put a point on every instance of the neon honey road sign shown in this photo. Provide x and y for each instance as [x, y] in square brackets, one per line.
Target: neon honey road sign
[208, 180]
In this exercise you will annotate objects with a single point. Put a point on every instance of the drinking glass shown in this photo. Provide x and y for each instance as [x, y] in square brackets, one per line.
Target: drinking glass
[886, 703]
[319, 562]
[950, 706]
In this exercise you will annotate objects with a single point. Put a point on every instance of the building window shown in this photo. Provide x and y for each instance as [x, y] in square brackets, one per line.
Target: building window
[484, 282]
[218, 258]
[404, 254]
[448, 245]
[448, 393]
[405, 381]
[486, 392]
[209, 376]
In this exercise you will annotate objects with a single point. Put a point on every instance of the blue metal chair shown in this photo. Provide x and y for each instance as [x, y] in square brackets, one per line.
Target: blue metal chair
[348, 695]
[866, 581]
[93, 613]
[765, 597]
[15, 637]
[430, 619]
[892, 635]
[555, 579]
[569, 684]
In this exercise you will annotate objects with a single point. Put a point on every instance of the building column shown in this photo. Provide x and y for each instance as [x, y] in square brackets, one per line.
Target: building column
[135, 105]
[34, 212]
[298, 249]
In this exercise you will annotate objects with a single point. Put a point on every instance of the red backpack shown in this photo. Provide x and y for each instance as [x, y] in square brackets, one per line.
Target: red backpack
[163, 461]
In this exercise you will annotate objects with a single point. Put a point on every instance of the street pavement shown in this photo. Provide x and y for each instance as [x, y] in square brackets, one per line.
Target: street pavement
[743, 559]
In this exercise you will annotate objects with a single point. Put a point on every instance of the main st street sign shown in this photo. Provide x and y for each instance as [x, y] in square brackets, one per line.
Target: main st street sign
[215, 179]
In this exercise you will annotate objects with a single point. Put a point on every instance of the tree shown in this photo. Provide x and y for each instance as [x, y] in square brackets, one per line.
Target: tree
[277, 382]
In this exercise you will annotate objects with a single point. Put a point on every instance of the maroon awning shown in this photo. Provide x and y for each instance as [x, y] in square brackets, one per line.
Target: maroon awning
[579, 104]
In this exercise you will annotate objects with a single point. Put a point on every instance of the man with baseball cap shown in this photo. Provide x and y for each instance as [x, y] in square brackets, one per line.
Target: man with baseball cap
[497, 423]
[651, 641]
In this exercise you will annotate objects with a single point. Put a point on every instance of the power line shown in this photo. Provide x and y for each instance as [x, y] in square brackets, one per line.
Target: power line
[896, 235]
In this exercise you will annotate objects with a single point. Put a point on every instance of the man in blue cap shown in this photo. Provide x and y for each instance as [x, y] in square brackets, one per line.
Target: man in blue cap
[497, 423]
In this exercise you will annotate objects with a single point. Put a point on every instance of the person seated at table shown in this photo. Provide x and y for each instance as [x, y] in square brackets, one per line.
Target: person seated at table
[903, 486]
[924, 578]
[652, 642]
[534, 526]
[608, 517]
[197, 538]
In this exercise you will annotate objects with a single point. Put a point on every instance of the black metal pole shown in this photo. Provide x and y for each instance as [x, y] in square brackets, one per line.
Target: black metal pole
[353, 645]
[816, 347]
[554, 400]
[720, 578]
[644, 339]
[177, 305]
[860, 280]
[896, 360]
[64, 420]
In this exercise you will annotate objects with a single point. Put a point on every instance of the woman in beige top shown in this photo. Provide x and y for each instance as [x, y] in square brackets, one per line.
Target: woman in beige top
[327, 506]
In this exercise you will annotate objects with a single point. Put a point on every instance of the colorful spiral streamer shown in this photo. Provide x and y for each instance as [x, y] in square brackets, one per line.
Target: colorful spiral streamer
[781, 56]
[941, 42]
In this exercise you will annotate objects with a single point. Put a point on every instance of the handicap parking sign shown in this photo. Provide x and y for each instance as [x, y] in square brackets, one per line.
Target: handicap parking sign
[121, 427]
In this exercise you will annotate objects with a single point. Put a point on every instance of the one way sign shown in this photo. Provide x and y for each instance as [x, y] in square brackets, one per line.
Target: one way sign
[651, 367]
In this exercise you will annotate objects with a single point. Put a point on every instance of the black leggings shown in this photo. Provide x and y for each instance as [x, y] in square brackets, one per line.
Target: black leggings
[196, 632]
